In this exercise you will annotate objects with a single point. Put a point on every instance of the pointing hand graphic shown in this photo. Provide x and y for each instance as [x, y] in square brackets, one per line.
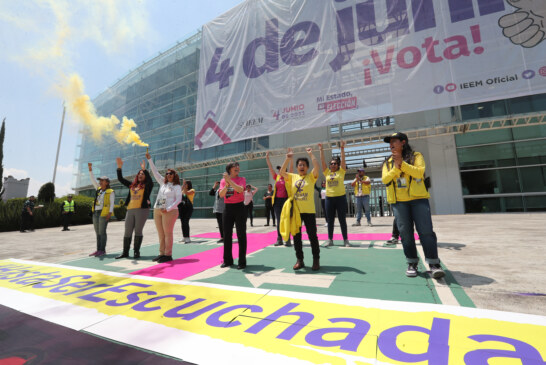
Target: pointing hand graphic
[527, 25]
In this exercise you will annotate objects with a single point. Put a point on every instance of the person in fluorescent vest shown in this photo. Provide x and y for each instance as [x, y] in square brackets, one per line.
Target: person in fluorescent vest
[67, 211]
[103, 208]
[404, 176]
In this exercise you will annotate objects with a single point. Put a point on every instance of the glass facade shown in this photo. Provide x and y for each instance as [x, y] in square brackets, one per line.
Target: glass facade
[161, 97]
[504, 170]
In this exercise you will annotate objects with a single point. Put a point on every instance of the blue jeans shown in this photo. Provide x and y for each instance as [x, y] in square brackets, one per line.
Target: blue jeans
[100, 224]
[416, 212]
[363, 204]
[336, 204]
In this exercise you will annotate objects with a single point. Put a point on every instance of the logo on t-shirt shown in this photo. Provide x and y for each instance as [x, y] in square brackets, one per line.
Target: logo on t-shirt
[300, 195]
[230, 192]
[299, 185]
[332, 182]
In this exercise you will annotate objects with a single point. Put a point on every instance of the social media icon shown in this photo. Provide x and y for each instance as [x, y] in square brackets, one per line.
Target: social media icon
[528, 74]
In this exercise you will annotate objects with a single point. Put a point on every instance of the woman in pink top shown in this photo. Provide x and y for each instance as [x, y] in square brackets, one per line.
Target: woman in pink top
[231, 190]
[280, 195]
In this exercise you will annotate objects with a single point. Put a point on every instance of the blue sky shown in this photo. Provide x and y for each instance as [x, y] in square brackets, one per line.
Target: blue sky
[100, 40]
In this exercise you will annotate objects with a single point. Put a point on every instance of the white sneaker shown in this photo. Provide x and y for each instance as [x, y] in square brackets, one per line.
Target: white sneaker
[346, 243]
[187, 240]
[436, 271]
[392, 241]
[325, 224]
[370, 224]
[411, 272]
[328, 243]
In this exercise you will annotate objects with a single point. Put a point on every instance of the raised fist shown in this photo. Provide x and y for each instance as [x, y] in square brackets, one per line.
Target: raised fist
[527, 25]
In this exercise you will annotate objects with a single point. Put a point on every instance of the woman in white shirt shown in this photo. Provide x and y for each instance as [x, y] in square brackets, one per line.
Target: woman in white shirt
[103, 207]
[165, 209]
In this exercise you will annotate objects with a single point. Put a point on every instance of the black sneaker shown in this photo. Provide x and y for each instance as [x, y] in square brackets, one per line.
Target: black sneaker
[163, 259]
[157, 258]
[436, 271]
[278, 243]
[411, 272]
[392, 241]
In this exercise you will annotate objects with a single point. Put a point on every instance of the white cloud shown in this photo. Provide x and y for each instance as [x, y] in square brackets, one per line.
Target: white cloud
[65, 169]
[63, 179]
[16, 173]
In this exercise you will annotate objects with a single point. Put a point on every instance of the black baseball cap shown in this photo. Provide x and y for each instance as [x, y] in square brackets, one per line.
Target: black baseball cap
[398, 135]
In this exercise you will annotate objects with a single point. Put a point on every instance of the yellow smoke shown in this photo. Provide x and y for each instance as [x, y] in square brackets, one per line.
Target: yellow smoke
[80, 105]
[56, 27]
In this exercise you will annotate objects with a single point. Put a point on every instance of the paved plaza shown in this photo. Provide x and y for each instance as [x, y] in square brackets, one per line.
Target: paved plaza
[492, 262]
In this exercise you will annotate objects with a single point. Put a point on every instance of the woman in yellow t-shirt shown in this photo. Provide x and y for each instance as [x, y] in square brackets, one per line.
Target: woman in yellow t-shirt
[335, 194]
[302, 188]
[185, 209]
[138, 207]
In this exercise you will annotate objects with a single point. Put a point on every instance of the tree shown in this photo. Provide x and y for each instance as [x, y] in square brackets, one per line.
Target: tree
[47, 193]
[2, 134]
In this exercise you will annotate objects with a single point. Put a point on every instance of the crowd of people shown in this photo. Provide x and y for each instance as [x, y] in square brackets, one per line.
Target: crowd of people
[289, 204]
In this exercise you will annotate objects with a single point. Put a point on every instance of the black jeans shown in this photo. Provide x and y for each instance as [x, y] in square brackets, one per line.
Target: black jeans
[249, 212]
[67, 219]
[310, 222]
[277, 208]
[27, 221]
[234, 213]
[269, 212]
[336, 204]
[184, 213]
[220, 224]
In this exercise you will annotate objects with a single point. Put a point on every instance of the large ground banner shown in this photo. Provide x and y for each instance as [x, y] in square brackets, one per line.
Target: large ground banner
[217, 324]
[272, 67]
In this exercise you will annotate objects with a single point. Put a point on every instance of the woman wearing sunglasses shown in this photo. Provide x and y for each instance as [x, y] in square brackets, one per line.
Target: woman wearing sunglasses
[335, 194]
[165, 209]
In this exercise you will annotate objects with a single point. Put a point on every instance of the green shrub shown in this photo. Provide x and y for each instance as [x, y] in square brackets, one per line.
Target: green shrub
[46, 193]
[120, 211]
[48, 216]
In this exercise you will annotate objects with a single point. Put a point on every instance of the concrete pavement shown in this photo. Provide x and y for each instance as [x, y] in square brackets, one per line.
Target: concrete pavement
[498, 259]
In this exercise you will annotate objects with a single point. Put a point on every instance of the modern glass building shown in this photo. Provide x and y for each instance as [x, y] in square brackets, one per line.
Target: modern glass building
[487, 157]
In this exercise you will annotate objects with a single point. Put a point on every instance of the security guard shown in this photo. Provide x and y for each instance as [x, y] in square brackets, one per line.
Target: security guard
[67, 211]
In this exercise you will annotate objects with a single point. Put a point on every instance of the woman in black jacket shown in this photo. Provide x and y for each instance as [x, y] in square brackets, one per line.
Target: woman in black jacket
[138, 207]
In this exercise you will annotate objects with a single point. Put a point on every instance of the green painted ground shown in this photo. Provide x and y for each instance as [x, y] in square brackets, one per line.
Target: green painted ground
[147, 253]
[371, 270]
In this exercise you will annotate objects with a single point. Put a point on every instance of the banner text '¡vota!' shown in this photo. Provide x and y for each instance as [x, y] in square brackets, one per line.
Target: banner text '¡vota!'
[366, 26]
[213, 311]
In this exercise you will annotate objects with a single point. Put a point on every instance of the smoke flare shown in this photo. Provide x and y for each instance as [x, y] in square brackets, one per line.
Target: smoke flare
[81, 107]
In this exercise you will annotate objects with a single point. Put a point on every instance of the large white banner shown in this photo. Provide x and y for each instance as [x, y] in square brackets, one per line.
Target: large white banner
[275, 66]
